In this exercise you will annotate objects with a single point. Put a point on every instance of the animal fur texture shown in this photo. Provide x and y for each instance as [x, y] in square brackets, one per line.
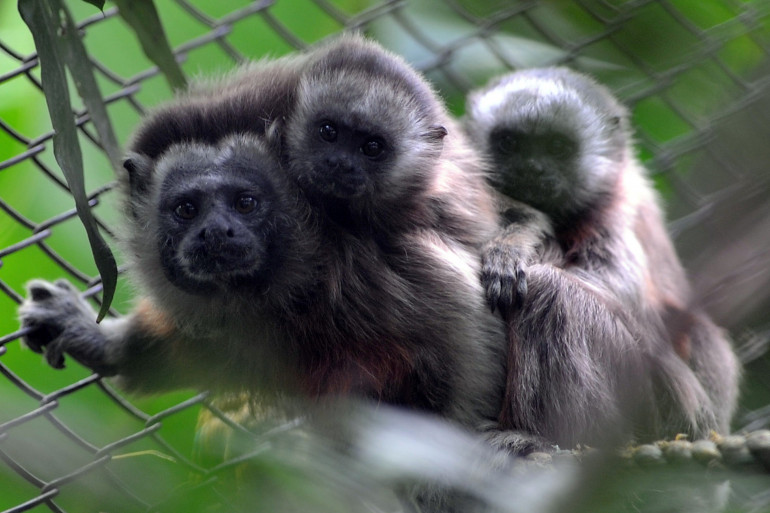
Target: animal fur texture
[255, 277]
[602, 325]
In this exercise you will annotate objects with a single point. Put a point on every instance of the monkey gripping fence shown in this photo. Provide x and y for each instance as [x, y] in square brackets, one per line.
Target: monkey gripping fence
[66, 434]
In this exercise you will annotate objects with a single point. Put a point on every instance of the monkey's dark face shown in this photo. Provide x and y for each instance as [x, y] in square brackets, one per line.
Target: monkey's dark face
[536, 167]
[359, 157]
[557, 139]
[347, 160]
[219, 220]
[364, 129]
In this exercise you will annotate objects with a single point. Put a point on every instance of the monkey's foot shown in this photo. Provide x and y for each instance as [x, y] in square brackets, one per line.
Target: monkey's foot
[518, 443]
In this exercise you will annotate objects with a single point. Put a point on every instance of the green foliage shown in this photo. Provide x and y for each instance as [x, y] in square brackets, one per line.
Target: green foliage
[99, 4]
[58, 44]
[142, 16]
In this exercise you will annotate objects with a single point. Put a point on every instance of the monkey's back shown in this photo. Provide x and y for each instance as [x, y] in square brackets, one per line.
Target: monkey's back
[247, 100]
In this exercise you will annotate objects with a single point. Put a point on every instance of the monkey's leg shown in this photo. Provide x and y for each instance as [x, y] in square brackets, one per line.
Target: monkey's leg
[577, 371]
[716, 367]
[697, 379]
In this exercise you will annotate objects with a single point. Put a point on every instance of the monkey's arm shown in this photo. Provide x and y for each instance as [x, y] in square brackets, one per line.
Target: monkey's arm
[527, 238]
[143, 348]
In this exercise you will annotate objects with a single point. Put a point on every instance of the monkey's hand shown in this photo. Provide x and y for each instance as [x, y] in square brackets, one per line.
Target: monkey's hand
[503, 275]
[527, 239]
[60, 321]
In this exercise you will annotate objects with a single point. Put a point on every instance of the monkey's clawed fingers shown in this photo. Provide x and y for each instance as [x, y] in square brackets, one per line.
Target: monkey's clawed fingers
[504, 280]
[55, 316]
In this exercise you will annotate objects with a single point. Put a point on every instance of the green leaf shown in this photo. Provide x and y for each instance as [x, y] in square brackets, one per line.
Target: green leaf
[82, 72]
[46, 19]
[99, 4]
[142, 16]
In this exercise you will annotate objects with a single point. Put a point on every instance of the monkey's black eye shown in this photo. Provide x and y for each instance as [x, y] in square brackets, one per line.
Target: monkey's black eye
[373, 148]
[245, 204]
[186, 210]
[504, 141]
[560, 146]
[328, 132]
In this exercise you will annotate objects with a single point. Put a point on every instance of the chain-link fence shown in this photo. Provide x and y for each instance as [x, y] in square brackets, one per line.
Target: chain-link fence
[692, 72]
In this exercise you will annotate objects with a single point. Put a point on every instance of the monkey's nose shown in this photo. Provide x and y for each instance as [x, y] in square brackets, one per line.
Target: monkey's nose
[534, 165]
[339, 165]
[216, 232]
[215, 235]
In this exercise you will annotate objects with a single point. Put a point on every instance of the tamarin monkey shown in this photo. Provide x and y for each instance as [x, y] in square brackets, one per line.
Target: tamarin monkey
[216, 242]
[403, 208]
[598, 305]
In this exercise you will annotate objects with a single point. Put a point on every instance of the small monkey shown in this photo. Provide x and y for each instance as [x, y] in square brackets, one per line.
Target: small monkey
[375, 150]
[394, 182]
[217, 245]
[598, 303]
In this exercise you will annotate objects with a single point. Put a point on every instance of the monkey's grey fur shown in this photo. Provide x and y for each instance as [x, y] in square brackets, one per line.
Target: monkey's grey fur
[599, 309]
[375, 296]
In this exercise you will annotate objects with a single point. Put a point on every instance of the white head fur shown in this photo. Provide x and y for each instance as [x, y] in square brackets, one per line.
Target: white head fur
[538, 102]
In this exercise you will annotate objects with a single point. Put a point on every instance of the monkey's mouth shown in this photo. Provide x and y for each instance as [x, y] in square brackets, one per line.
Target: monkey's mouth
[349, 187]
[351, 184]
[223, 265]
[198, 270]
[541, 188]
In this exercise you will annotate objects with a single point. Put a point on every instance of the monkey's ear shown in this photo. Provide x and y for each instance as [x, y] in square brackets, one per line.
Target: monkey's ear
[139, 170]
[436, 133]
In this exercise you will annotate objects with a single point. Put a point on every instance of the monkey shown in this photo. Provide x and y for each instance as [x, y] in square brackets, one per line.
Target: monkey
[385, 305]
[216, 243]
[597, 302]
[234, 304]
[375, 149]
[392, 179]
[386, 167]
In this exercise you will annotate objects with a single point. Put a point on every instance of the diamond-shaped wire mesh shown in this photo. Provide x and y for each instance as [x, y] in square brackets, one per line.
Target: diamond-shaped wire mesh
[693, 73]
